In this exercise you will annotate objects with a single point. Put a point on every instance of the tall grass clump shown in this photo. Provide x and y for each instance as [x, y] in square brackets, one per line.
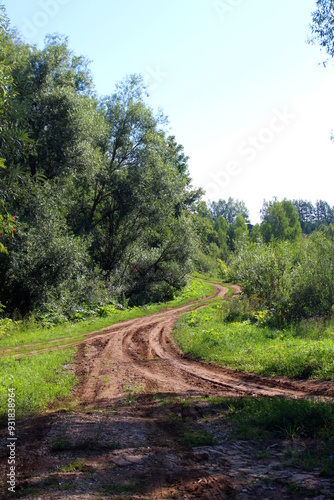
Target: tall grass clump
[286, 417]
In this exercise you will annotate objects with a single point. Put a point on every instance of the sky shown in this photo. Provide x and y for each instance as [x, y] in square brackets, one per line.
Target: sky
[245, 94]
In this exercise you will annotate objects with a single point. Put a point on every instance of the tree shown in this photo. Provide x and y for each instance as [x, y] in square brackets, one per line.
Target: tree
[7, 221]
[322, 27]
[222, 228]
[323, 212]
[229, 209]
[256, 234]
[314, 217]
[48, 269]
[238, 232]
[98, 187]
[280, 221]
[306, 213]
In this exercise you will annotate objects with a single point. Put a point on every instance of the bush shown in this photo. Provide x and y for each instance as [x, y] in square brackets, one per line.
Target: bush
[48, 270]
[313, 280]
[293, 280]
[237, 309]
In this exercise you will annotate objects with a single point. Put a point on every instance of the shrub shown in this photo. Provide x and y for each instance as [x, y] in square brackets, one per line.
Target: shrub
[293, 280]
[48, 270]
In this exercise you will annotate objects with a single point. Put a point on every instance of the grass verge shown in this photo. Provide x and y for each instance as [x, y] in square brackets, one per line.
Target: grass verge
[37, 381]
[295, 352]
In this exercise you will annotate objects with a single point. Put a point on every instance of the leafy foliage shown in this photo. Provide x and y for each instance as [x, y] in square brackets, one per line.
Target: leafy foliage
[99, 190]
[294, 280]
[280, 221]
[322, 26]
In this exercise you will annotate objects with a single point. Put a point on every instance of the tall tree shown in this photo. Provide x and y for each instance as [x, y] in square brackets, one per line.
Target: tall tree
[99, 178]
[7, 93]
[229, 209]
[280, 221]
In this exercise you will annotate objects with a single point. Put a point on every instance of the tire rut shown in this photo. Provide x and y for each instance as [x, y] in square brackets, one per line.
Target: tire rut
[140, 355]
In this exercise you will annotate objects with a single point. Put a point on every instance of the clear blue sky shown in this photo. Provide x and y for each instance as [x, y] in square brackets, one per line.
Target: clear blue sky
[243, 91]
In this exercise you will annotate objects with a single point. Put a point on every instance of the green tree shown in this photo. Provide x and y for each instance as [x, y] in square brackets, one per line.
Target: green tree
[238, 233]
[280, 221]
[140, 191]
[229, 209]
[256, 235]
[98, 187]
[307, 216]
[7, 92]
[222, 228]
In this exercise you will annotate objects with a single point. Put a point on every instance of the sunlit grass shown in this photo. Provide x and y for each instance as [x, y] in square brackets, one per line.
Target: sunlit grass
[37, 381]
[302, 351]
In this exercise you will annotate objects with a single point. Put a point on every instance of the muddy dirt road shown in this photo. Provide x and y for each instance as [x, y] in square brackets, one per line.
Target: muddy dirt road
[140, 354]
[143, 426]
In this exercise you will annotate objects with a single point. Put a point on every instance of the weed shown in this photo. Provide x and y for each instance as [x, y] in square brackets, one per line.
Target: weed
[62, 442]
[319, 456]
[132, 393]
[286, 417]
[59, 443]
[129, 486]
[195, 438]
[76, 465]
[261, 454]
[66, 486]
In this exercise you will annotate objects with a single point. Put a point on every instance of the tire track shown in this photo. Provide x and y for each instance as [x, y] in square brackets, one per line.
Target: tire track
[140, 355]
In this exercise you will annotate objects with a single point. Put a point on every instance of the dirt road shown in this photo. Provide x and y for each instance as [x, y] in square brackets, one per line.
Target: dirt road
[133, 436]
[139, 355]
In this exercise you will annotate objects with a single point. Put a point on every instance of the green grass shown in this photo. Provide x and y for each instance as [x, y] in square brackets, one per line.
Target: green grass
[302, 351]
[37, 380]
[18, 337]
[263, 420]
[199, 437]
[286, 418]
[76, 465]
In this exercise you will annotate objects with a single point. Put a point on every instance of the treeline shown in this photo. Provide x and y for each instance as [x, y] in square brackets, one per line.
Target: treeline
[284, 270]
[97, 193]
[223, 226]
